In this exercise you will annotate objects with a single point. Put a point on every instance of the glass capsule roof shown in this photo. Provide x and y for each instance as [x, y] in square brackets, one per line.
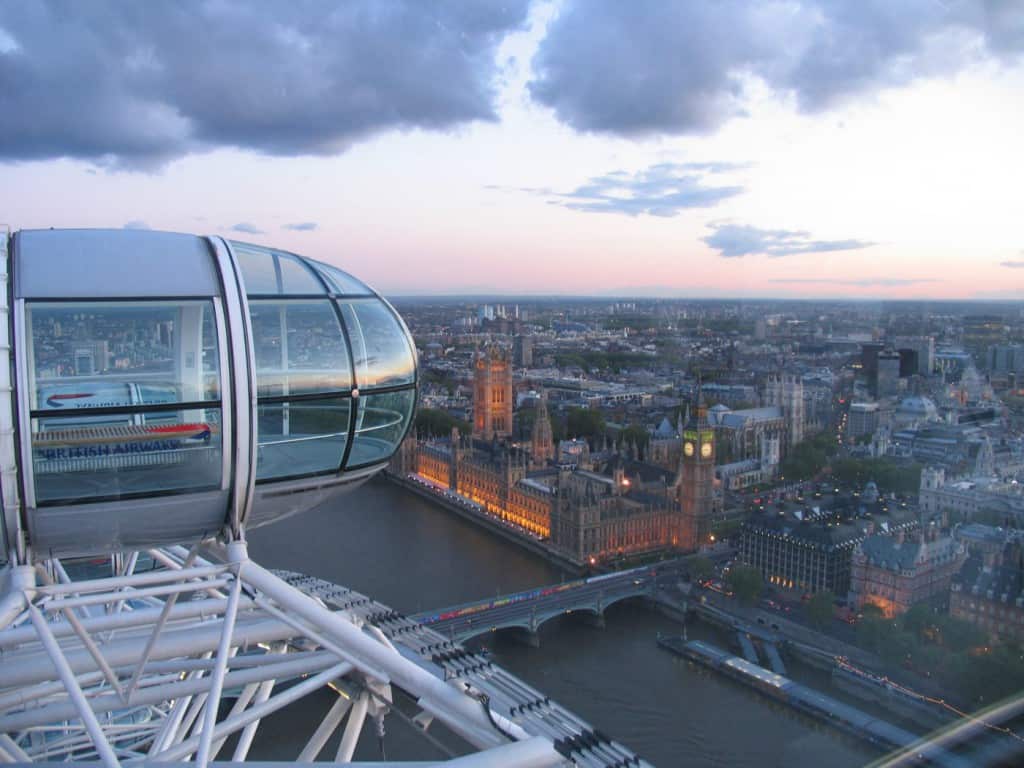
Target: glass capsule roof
[275, 273]
[98, 263]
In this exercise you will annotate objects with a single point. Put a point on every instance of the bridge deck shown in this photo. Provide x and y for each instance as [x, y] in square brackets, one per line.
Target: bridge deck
[537, 714]
[531, 608]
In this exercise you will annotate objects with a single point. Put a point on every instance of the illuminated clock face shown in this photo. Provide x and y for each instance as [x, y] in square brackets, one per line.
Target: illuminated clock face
[688, 449]
[705, 450]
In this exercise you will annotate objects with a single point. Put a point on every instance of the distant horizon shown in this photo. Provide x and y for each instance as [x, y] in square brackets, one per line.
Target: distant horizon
[506, 298]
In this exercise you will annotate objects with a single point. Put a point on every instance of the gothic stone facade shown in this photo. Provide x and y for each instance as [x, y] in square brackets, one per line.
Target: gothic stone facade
[492, 394]
[622, 508]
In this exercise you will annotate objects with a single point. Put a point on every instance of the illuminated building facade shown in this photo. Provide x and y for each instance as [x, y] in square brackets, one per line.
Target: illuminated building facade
[492, 393]
[813, 551]
[992, 596]
[787, 392]
[964, 499]
[625, 510]
[749, 434]
[899, 571]
[587, 513]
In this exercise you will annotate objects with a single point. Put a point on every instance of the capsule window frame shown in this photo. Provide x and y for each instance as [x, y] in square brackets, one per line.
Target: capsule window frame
[27, 383]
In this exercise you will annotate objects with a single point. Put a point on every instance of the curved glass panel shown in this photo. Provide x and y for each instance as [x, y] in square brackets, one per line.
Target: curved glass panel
[102, 355]
[380, 348]
[304, 437]
[380, 426]
[266, 271]
[125, 455]
[300, 348]
[340, 281]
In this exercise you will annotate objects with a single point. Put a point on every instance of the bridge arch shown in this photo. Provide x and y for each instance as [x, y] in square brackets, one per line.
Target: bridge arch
[533, 621]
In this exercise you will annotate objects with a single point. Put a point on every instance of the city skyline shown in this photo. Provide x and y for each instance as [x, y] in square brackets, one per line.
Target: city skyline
[741, 150]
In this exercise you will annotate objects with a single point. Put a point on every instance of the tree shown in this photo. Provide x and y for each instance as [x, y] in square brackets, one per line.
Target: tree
[819, 608]
[434, 422]
[524, 421]
[586, 423]
[958, 635]
[872, 611]
[918, 619]
[875, 632]
[700, 568]
[809, 457]
[889, 475]
[726, 529]
[746, 583]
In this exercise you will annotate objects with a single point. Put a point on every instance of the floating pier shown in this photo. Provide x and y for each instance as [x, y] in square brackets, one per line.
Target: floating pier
[807, 700]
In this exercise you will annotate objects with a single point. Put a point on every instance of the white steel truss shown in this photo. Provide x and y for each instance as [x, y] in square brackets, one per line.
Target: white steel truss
[176, 662]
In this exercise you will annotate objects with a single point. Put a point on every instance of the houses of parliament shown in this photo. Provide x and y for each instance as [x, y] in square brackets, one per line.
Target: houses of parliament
[589, 505]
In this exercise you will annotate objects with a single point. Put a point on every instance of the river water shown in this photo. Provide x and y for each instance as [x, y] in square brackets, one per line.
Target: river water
[412, 555]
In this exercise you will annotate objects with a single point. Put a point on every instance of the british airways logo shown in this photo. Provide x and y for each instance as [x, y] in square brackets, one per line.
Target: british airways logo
[57, 401]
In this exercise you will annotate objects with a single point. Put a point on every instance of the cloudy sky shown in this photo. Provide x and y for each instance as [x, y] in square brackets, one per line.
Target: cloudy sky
[681, 147]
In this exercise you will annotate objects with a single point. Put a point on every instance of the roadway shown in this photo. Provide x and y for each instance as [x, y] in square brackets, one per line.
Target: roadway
[529, 609]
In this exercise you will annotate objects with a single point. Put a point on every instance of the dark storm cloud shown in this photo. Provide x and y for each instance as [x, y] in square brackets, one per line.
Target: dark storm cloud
[302, 226]
[737, 240]
[661, 190]
[135, 84]
[247, 228]
[650, 67]
[867, 282]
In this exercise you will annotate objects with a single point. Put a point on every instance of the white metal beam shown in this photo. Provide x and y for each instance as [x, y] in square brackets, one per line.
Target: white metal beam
[249, 732]
[325, 730]
[353, 728]
[256, 712]
[75, 693]
[217, 683]
[460, 713]
[35, 667]
[108, 702]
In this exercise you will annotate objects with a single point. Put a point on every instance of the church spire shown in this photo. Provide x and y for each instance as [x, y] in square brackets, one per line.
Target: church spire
[542, 444]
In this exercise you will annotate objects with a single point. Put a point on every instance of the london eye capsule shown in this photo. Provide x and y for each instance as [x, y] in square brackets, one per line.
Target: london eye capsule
[163, 387]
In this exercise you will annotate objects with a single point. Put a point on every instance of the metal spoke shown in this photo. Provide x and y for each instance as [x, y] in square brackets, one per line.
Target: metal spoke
[74, 691]
[148, 683]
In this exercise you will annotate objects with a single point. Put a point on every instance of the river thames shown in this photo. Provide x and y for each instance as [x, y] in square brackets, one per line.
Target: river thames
[412, 555]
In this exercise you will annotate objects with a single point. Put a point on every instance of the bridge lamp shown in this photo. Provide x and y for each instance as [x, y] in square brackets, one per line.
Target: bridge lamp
[165, 388]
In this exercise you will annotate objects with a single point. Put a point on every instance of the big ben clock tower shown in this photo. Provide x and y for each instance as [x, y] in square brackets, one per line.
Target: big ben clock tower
[696, 479]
